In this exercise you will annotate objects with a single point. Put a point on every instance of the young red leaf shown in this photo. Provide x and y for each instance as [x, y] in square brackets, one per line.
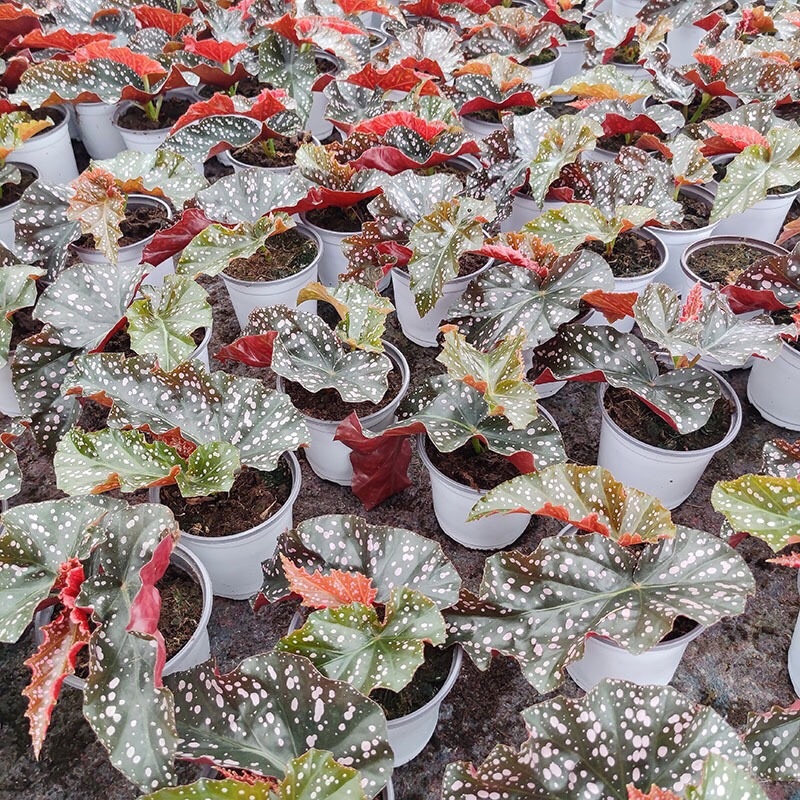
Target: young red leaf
[331, 590]
[14, 22]
[220, 52]
[380, 464]
[790, 230]
[380, 125]
[254, 351]
[613, 305]
[787, 560]
[174, 438]
[693, 304]
[55, 658]
[142, 65]
[58, 40]
[398, 78]
[654, 794]
[172, 240]
[732, 138]
[170, 22]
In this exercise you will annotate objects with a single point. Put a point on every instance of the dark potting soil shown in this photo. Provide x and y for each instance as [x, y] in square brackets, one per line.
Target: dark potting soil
[251, 87]
[715, 108]
[325, 66]
[559, 108]
[632, 255]
[723, 263]
[628, 54]
[696, 214]
[788, 111]
[55, 115]
[784, 317]
[13, 191]
[574, 31]
[493, 115]
[134, 119]
[483, 470]
[636, 419]
[23, 325]
[254, 497]
[426, 683]
[181, 608]
[140, 222]
[280, 153]
[283, 255]
[680, 627]
[545, 57]
[342, 220]
[328, 405]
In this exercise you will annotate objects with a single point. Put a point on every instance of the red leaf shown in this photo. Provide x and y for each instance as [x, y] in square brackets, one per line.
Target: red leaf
[380, 464]
[616, 125]
[396, 78]
[331, 590]
[523, 98]
[146, 606]
[59, 40]
[170, 22]
[16, 22]
[654, 794]
[589, 523]
[174, 439]
[254, 351]
[49, 665]
[787, 560]
[506, 254]
[393, 161]
[732, 138]
[172, 240]
[383, 123]
[221, 52]
[613, 305]
[693, 304]
[142, 65]
[648, 141]
[266, 105]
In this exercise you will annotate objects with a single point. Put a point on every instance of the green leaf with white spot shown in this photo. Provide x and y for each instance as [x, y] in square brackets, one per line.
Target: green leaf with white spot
[722, 778]
[353, 644]
[781, 459]
[539, 607]
[17, 290]
[773, 739]
[207, 789]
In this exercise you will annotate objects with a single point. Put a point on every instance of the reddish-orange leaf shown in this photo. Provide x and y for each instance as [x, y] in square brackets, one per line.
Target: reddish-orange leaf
[380, 125]
[654, 794]
[740, 135]
[790, 230]
[170, 22]
[221, 52]
[59, 40]
[613, 305]
[141, 64]
[49, 665]
[788, 560]
[693, 304]
[335, 589]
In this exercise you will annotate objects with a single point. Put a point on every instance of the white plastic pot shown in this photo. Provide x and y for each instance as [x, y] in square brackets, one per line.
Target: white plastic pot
[627, 8]
[542, 74]
[409, 735]
[8, 236]
[524, 209]
[130, 254]
[479, 128]
[195, 651]
[138, 141]
[676, 241]
[201, 351]
[424, 330]
[636, 72]
[317, 124]
[668, 475]
[100, 138]
[602, 659]
[689, 278]
[773, 387]
[794, 652]
[234, 562]
[570, 63]
[9, 404]
[49, 152]
[682, 42]
[249, 295]
[331, 459]
[637, 283]
[388, 792]
[333, 261]
[762, 221]
[452, 503]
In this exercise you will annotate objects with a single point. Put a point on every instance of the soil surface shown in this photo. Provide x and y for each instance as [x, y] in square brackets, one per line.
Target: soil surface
[641, 422]
[13, 191]
[283, 255]
[696, 214]
[545, 57]
[278, 151]
[181, 608]
[134, 119]
[483, 470]
[723, 263]
[343, 220]
[23, 325]
[254, 497]
[140, 222]
[632, 255]
[327, 404]
[737, 666]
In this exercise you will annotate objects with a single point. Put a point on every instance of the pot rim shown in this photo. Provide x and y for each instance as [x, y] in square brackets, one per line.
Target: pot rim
[303, 230]
[733, 431]
[22, 167]
[464, 280]
[123, 105]
[228, 154]
[692, 190]
[318, 229]
[220, 541]
[432, 469]
[769, 248]
[141, 200]
[647, 234]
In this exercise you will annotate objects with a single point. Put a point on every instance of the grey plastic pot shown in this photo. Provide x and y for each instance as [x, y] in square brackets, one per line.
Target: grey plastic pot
[333, 261]
[195, 651]
[234, 562]
[763, 221]
[145, 141]
[249, 295]
[668, 475]
[9, 404]
[331, 459]
[49, 152]
[773, 387]
[98, 134]
[542, 74]
[8, 236]
[317, 123]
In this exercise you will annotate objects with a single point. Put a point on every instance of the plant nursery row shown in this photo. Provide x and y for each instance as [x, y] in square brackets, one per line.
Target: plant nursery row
[400, 400]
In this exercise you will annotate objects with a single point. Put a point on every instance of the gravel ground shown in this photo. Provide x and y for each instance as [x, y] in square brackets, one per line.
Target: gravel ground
[738, 666]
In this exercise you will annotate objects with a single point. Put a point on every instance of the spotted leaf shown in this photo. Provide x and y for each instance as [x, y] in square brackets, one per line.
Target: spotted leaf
[17, 290]
[492, 82]
[200, 139]
[588, 498]
[269, 710]
[605, 82]
[282, 63]
[208, 407]
[595, 585]
[10, 471]
[594, 743]
[781, 459]
[772, 738]
[771, 283]
[390, 557]
[353, 644]
[682, 397]
[208, 789]
[515, 32]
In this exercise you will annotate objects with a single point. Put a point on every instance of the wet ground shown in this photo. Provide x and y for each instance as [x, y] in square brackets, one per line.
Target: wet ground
[738, 666]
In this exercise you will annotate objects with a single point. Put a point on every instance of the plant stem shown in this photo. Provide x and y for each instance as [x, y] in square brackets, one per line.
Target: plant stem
[268, 146]
[704, 104]
[153, 108]
[476, 445]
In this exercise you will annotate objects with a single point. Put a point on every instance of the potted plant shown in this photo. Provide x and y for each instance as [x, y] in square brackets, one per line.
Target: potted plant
[220, 454]
[476, 426]
[624, 42]
[329, 373]
[562, 751]
[15, 128]
[349, 574]
[520, 34]
[590, 500]
[571, 17]
[619, 199]
[96, 565]
[691, 21]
